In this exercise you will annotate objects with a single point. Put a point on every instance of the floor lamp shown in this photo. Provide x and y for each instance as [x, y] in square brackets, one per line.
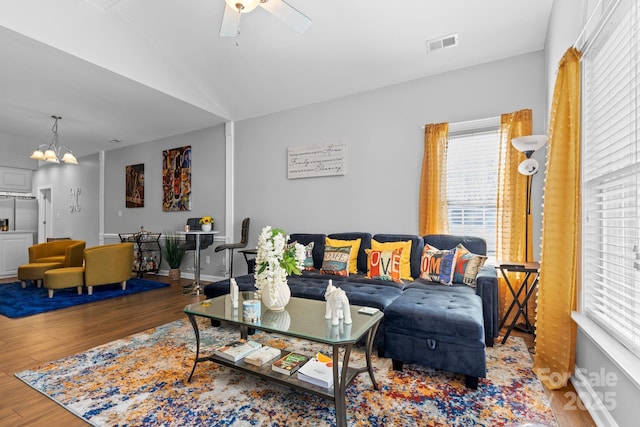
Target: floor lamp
[528, 167]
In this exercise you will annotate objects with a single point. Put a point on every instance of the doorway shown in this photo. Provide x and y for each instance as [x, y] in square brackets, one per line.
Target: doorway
[45, 217]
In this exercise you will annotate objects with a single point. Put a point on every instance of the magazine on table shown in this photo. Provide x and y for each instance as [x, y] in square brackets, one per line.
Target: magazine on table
[237, 350]
[318, 370]
[289, 363]
[262, 355]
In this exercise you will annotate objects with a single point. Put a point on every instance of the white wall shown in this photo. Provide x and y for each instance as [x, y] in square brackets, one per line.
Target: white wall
[16, 151]
[82, 225]
[619, 396]
[207, 186]
[384, 137]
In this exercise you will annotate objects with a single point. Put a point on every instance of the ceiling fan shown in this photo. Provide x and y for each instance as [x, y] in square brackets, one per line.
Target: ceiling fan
[235, 8]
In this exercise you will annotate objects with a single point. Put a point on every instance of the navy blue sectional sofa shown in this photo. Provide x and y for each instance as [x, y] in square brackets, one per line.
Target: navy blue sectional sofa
[439, 326]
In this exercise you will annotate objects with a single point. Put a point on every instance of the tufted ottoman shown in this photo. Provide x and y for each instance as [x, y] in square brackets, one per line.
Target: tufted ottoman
[35, 271]
[438, 328]
[61, 278]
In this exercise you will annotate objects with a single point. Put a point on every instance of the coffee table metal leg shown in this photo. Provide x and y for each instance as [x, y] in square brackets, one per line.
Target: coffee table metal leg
[339, 384]
[192, 319]
[244, 331]
[369, 349]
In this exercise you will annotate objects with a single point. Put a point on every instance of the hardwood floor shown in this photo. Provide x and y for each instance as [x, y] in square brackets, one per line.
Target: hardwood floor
[32, 340]
[563, 401]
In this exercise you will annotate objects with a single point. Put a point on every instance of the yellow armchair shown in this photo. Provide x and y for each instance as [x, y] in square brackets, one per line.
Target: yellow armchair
[69, 253]
[107, 264]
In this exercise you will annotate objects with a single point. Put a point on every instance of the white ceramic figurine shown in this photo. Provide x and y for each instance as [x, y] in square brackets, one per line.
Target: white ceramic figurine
[337, 305]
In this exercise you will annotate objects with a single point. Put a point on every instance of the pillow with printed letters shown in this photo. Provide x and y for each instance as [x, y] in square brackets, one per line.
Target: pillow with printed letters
[405, 247]
[336, 260]
[355, 247]
[438, 265]
[308, 256]
[384, 265]
[467, 266]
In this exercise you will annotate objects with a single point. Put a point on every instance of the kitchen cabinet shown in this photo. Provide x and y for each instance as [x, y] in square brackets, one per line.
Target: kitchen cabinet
[14, 179]
[14, 251]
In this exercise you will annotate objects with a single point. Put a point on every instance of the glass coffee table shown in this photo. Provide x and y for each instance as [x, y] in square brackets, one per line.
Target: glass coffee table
[304, 318]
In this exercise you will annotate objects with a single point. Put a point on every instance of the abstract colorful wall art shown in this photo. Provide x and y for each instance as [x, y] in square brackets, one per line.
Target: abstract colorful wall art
[176, 179]
[134, 182]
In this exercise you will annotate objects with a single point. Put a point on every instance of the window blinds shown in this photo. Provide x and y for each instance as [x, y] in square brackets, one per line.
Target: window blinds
[610, 177]
[472, 165]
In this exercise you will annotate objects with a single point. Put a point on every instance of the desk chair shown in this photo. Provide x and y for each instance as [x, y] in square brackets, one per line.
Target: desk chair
[241, 244]
[189, 243]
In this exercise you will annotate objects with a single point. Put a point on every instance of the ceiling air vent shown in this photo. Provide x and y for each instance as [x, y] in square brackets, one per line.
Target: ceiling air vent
[103, 4]
[442, 42]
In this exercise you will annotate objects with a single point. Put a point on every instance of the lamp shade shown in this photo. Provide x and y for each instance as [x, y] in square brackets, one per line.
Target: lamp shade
[69, 158]
[50, 156]
[529, 144]
[38, 155]
[528, 167]
[243, 6]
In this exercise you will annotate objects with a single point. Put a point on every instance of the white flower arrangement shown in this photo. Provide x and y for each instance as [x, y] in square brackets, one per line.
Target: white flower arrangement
[276, 260]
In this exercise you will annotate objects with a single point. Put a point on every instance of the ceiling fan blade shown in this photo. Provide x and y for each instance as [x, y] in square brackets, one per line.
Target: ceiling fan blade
[287, 13]
[229, 26]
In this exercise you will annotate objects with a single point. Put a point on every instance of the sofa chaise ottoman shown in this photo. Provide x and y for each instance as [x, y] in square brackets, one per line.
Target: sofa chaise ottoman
[442, 330]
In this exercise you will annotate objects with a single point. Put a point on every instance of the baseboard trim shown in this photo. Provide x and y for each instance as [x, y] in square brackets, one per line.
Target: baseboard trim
[191, 275]
[591, 400]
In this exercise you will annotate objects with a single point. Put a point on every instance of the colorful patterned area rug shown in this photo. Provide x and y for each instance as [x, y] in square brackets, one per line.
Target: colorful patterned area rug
[142, 380]
[18, 302]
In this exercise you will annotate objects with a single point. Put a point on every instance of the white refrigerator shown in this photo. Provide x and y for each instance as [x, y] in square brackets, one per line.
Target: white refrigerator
[26, 215]
[7, 211]
[21, 213]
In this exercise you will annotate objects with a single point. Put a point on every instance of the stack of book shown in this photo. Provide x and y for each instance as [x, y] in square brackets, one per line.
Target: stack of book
[262, 356]
[318, 371]
[237, 350]
[289, 363]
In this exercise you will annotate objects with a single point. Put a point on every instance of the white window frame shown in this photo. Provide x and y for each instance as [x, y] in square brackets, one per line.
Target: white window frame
[610, 274]
[479, 128]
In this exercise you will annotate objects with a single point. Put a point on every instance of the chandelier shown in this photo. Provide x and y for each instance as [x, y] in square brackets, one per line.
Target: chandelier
[53, 151]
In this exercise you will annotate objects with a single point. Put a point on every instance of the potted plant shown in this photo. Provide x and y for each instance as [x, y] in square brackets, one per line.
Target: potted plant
[274, 262]
[173, 253]
[206, 223]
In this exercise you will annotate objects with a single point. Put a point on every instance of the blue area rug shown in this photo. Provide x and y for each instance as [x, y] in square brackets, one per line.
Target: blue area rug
[18, 302]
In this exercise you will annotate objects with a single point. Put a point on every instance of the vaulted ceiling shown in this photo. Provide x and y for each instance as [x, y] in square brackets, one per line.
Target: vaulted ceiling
[140, 70]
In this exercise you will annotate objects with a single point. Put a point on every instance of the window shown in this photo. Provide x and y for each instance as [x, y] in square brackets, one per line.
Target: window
[472, 181]
[610, 176]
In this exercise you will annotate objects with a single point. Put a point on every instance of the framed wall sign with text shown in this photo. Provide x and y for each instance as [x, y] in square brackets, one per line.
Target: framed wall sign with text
[317, 160]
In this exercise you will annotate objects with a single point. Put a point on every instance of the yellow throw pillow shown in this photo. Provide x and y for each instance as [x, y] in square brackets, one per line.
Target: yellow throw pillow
[405, 257]
[355, 249]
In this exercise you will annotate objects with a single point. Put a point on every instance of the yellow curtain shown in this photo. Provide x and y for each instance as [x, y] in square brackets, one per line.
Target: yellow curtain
[556, 332]
[433, 211]
[511, 205]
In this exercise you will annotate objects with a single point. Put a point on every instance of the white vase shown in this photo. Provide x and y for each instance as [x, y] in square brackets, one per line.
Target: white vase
[282, 297]
[206, 227]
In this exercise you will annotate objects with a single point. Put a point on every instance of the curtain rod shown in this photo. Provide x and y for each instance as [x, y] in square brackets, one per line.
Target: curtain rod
[587, 44]
[586, 24]
[488, 122]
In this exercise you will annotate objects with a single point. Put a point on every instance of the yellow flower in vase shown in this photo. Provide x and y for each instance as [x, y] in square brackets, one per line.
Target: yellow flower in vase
[206, 222]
